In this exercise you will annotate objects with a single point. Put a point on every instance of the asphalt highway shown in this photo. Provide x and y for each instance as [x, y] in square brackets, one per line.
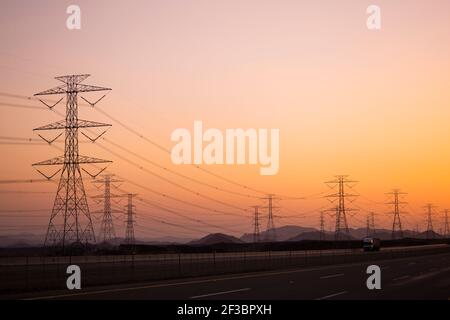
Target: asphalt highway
[421, 277]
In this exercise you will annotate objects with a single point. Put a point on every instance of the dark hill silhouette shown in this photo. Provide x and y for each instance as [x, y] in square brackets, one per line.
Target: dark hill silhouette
[428, 235]
[312, 235]
[283, 233]
[216, 238]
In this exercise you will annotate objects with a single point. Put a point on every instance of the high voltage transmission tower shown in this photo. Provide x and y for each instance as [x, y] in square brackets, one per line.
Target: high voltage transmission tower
[341, 182]
[107, 231]
[270, 232]
[256, 232]
[446, 233]
[322, 227]
[368, 232]
[70, 220]
[129, 230]
[396, 203]
[430, 232]
[370, 224]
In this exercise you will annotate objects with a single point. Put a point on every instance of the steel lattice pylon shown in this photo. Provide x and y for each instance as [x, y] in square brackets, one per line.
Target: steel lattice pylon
[107, 231]
[322, 227]
[129, 231]
[430, 232]
[70, 221]
[271, 234]
[396, 203]
[341, 209]
[256, 233]
[446, 233]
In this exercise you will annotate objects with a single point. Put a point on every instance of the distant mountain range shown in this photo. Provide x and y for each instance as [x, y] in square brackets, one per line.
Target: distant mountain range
[24, 240]
[284, 233]
[21, 240]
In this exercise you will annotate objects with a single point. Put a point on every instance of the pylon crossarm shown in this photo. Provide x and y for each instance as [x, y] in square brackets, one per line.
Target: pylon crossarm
[61, 160]
[76, 78]
[89, 88]
[54, 161]
[50, 141]
[79, 124]
[53, 126]
[51, 106]
[111, 196]
[93, 140]
[56, 90]
[48, 177]
[93, 176]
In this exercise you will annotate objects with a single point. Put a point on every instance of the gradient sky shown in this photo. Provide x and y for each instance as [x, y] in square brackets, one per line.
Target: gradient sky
[370, 104]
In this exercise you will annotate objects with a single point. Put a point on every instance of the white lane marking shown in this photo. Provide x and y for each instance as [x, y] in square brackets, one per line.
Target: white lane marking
[219, 293]
[401, 278]
[332, 295]
[332, 276]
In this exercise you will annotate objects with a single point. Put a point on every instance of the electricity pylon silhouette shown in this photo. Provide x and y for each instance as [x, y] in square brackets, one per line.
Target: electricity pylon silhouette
[396, 203]
[368, 232]
[70, 220]
[372, 223]
[107, 231]
[341, 182]
[270, 232]
[430, 231]
[129, 230]
[256, 233]
[446, 233]
[322, 227]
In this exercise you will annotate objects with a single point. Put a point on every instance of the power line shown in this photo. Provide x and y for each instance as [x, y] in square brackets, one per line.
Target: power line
[177, 173]
[23, 181]
[172, 182]
[184, 216]
[160, 147]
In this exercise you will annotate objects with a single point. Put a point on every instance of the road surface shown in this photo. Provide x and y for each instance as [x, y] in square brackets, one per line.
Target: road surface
[422, 277]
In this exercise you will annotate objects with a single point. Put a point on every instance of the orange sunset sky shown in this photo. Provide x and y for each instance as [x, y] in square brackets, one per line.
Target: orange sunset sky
[371, 104]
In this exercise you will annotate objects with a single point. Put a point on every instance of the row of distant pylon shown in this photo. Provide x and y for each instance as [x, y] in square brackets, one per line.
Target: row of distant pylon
[107, 230]
[340, 212]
